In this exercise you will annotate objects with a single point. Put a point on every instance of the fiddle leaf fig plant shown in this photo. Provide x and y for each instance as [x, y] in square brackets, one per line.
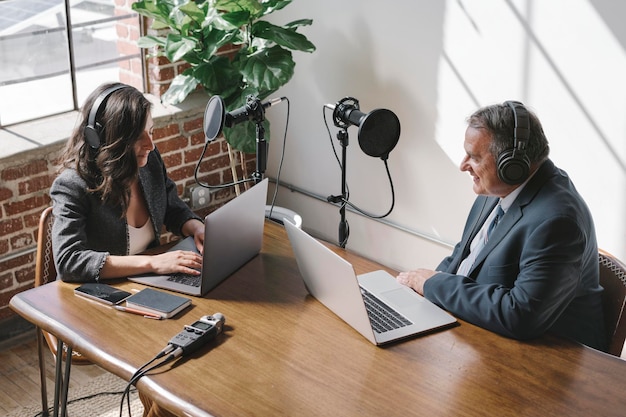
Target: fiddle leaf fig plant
[194, 31]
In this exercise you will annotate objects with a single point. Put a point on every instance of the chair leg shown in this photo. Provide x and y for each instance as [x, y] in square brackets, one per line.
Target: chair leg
[66, 381]
[58, 377]
[42, 373]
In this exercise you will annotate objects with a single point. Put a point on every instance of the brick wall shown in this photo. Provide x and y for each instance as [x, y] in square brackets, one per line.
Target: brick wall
[25, 178]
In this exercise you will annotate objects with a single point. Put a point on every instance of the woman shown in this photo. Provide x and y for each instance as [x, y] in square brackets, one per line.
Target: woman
[113, 196]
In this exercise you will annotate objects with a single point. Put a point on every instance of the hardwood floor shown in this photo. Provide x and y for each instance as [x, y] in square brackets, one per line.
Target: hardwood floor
[19, 374]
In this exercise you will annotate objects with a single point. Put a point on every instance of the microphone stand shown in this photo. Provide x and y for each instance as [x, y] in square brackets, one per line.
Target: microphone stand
[257, 112]
[261, 153]
[344, 231]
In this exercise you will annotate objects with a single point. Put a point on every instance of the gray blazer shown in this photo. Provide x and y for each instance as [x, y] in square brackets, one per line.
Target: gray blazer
[539, 271]
[86, 231]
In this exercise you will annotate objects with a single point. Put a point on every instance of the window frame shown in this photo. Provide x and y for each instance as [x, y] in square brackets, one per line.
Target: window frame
[72, 69]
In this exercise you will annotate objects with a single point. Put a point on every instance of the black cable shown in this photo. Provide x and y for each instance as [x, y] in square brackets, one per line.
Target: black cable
[330, 136]
[393, 199]
[205, 185]
[86, 397]
[126, 391]
[143, 369]
[282, 157]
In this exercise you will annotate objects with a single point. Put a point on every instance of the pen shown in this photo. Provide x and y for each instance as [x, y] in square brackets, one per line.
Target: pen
[141, 313]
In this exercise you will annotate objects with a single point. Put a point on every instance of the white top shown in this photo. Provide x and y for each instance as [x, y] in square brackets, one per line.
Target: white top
[140, 237]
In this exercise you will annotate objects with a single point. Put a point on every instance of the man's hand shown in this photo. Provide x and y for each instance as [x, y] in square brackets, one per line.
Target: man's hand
[415, 279]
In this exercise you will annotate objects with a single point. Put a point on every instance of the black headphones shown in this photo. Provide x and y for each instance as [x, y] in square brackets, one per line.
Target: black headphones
[513, 164]
[93, 130]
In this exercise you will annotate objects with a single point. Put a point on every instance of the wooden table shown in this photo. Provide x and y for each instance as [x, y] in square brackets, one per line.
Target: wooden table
[284, 354]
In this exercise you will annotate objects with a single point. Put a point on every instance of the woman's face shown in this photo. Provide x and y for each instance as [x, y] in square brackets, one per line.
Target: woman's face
[144, 144]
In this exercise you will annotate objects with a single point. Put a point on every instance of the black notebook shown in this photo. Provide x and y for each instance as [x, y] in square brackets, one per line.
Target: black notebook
[102, 292]
[157, 302]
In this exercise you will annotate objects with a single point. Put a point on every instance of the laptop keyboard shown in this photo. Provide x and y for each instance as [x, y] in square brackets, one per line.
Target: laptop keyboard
[382, 317]
[186, 279]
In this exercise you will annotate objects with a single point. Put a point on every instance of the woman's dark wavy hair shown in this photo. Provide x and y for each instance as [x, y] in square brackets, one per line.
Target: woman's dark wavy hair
[109, 170]
[499, 120]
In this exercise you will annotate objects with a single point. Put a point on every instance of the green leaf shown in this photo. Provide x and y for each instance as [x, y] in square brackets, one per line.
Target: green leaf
[162, 11]
[180, 88]
[192, 10]
[235, 19]
[158, 11]
[219, 77]
[243, 136]
[178, 46]
[156, 25]
[268, 69]
[254, 7]
[286, 38]
[271, 6]
[151, 41]
[213, 40]
[298, 23]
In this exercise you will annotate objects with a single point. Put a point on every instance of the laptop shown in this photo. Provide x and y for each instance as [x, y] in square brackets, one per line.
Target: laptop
[361, 300]
[233, 235]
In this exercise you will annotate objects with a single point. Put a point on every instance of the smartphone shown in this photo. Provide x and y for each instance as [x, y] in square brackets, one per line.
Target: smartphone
[102, 292]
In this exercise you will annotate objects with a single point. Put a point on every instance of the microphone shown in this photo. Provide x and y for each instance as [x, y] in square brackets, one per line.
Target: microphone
[252, 109]
[198, 334]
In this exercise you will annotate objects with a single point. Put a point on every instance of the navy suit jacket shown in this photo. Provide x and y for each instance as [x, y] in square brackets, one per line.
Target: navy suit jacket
[539, 272]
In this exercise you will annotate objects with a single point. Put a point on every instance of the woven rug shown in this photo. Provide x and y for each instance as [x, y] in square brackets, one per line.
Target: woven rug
[99, 398]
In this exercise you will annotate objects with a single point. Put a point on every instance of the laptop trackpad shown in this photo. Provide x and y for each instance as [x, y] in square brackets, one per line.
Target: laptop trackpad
[401, 297]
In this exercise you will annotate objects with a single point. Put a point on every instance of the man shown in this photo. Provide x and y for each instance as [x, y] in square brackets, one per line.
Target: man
[533, 267]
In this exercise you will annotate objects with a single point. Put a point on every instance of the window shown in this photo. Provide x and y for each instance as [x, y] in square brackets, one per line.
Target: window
[46, 69]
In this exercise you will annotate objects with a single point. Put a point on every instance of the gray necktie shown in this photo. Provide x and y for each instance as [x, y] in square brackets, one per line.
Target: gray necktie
[468, 262]
[494, 222]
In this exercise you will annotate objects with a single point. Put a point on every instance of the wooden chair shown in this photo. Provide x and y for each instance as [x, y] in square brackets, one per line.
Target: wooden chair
[613, 279]
[45, 271]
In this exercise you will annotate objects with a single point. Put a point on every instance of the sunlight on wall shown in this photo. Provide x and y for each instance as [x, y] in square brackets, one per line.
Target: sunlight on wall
[568, 69]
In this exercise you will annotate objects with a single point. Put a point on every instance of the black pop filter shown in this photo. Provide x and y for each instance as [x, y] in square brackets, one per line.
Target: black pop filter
[379, 130]
[214, 116]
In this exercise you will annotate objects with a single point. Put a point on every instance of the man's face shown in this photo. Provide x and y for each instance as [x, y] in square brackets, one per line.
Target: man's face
[481, 164]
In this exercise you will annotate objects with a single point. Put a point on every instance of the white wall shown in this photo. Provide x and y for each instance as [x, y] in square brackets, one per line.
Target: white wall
[433, 63]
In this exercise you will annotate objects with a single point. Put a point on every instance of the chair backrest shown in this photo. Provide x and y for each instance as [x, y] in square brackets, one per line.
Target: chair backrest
[45, 272]
[613, 279]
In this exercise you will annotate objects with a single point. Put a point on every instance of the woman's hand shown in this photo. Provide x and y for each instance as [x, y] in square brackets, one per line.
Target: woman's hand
[195, 228]
[179, 261]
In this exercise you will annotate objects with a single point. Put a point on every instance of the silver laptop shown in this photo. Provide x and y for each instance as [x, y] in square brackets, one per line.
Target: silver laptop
[332, 281]
[233, 235]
